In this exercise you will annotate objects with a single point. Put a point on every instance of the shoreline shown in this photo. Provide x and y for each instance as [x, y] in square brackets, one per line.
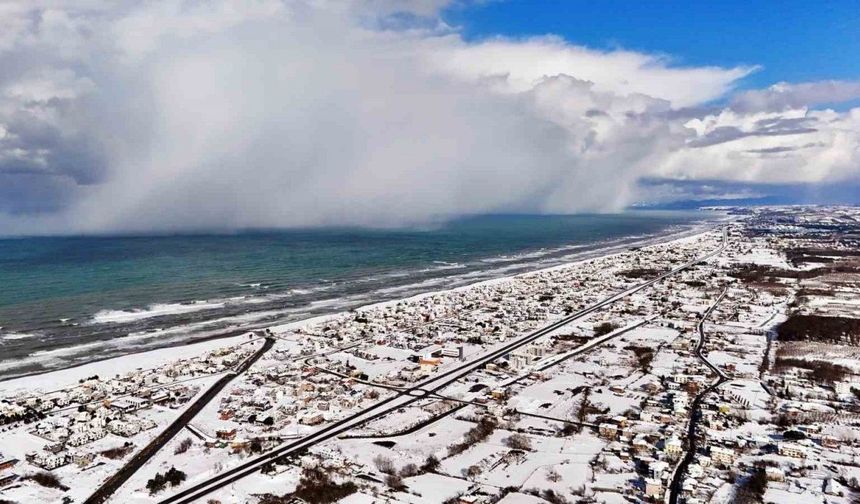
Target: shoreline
[235, 335]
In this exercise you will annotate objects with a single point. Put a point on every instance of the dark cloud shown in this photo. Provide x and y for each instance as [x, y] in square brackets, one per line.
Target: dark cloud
[724, 134]
[784, 149]
[671, 193]
[785, 96]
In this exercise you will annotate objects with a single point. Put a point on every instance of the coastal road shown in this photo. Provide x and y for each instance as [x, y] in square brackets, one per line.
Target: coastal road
[415, 393]
[695, 413]
[112, 484]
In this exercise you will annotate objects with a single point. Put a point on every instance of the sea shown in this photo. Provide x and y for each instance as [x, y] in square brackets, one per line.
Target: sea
[65, 301]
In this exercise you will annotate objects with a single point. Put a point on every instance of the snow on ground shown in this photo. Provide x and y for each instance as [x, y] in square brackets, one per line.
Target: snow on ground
[414, 448]
[777, 496]
[604, 398]
[358, 498]
[433, 488]
[255, 484]
[400, 420]
[109, 367]
[665, 362]
[521, 498]
[555, 393]
[763, 256]
[749, 393]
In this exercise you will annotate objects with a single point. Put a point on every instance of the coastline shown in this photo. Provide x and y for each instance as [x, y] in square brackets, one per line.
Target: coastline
[183, 349]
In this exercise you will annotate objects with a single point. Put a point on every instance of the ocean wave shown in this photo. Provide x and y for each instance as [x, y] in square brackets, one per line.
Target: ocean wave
[154, 310]
[16, 336]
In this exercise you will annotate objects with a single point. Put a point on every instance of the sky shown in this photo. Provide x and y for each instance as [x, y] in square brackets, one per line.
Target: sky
[793, 41]
[176, 115]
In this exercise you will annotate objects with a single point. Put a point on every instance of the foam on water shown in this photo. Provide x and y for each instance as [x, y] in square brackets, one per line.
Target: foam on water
[155, 310]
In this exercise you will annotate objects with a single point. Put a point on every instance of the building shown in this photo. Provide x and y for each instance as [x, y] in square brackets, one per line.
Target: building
[674, 448]
[128, 404]
[774, 474]
[607, 430]
[654, 488]
[791, 450]
[723, 456]
[48, 461]
[428, 364]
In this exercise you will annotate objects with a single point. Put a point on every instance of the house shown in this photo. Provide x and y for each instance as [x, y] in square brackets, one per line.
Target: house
[428, 364]
[830, 442]
[471, 499]
[653, 488]
[791, 450]
[723, 456]
[48, 461]
[640, 445]
[128, 404]
[774, 474]
[123, 428]
[499, 394]
[312, 419]
[607, 430]
[83, 459]
[673, 448]
[657, 468]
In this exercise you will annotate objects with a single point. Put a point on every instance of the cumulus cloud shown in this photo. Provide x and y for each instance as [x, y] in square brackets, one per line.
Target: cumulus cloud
[217, 114]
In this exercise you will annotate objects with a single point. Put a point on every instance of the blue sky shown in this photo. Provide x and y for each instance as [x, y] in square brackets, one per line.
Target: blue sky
[792, 41]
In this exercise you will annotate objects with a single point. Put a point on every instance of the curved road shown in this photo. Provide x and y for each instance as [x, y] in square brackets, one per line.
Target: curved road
[420, 390]
[695, 415]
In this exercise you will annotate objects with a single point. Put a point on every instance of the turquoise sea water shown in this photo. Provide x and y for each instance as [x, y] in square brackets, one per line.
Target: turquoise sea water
[67, 300]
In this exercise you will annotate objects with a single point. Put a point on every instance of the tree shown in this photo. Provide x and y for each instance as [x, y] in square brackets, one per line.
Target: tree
[472, 472]
[395, 482]
[409, 470]
[603, 329]
[518, 442]
[384, 464]
[584, 407]
[174, 476]
[751, 490]
[156, 484]
[316, 487]
[183, 447]
[431, 463]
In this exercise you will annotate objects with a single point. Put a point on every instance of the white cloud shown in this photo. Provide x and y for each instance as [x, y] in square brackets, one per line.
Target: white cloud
[225, 114]
[524, 63]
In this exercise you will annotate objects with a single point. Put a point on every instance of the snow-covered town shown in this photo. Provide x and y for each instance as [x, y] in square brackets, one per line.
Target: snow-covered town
[720, 367]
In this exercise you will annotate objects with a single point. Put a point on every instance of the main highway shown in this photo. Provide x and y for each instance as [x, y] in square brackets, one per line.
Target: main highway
[420, 390]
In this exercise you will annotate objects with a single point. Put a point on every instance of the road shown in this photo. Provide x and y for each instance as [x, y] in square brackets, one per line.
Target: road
[417, 392]
[112, 484]
[695, 412]
[543, 366]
